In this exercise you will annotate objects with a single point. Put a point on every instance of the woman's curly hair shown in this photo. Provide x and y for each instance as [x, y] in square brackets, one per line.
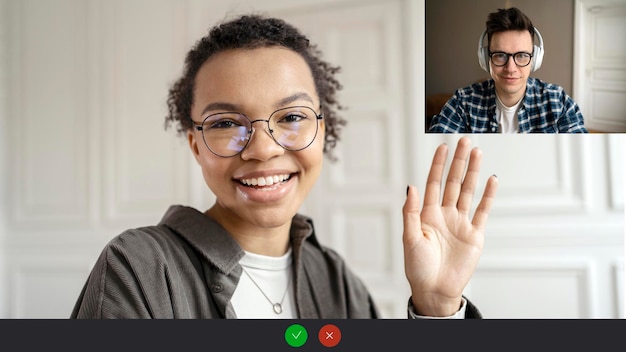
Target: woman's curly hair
[250, 32]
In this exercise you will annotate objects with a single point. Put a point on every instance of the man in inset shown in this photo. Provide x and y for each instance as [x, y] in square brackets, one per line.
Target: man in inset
[511, 101]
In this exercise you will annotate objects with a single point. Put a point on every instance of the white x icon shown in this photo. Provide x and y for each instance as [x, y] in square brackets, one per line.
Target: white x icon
[329, 335]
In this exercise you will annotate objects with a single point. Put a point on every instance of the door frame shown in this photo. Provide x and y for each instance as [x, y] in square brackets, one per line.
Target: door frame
[583, 80]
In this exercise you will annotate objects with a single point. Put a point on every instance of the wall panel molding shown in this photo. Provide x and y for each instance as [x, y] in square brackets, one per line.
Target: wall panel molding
[619, 292]
[554, 180]
[372, 94]
[555, 232]
[49, 162]
[617, 167]
[567, 282]
[364, 165]
[61, 279]
[145, 167]
[4, 151]
[364, 242]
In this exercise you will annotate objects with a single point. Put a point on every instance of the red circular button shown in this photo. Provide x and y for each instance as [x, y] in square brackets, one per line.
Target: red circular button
[329, 335]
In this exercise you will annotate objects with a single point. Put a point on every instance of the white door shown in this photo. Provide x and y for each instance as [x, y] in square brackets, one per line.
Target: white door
[600, 63]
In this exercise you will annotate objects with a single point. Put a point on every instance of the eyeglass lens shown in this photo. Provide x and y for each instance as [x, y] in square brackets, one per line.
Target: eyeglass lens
[501, 59]
[227, 134]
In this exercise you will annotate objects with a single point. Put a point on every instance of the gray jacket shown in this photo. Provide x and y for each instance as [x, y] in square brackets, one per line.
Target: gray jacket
[188, 267]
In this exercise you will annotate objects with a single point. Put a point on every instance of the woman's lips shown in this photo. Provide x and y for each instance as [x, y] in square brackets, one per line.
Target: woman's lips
[264, 181]
[266, 188]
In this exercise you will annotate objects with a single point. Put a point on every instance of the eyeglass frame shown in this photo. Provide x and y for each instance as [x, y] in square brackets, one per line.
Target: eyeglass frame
[200, 127]
[508, 56]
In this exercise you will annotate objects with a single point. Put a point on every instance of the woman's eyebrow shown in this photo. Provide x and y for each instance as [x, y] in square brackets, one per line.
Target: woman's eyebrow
[279, 104]
[294, 97]
[220, 106]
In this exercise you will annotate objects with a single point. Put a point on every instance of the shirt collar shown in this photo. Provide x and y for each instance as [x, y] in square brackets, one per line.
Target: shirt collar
[209, 238]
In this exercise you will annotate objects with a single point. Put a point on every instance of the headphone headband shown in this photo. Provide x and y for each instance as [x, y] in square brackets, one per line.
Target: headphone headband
[483, 52]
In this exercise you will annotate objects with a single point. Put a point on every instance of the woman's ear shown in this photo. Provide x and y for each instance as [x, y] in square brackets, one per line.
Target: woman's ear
[193, 144]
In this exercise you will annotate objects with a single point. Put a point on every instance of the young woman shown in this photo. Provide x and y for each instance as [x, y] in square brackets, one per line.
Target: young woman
[257, 105]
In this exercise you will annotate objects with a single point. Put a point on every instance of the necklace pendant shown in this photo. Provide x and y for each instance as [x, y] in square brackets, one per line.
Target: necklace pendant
[277, 308]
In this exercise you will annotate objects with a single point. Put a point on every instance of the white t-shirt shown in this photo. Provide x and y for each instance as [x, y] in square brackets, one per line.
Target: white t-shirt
[507, 116]
[272, 275]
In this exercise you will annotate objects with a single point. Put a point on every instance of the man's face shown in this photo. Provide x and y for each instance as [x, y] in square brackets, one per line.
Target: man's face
[510, 79]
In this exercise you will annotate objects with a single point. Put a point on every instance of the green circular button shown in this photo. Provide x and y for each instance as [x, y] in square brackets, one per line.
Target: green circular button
[296, 335]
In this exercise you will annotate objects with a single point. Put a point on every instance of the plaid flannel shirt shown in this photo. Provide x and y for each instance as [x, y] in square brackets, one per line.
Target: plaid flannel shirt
[546, 109]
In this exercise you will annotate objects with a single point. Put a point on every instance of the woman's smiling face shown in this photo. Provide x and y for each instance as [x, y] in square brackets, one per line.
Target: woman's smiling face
[257, 82]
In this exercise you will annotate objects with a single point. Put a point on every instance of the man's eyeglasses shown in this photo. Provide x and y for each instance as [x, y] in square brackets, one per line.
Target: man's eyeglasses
[226, 134]
[521, 59]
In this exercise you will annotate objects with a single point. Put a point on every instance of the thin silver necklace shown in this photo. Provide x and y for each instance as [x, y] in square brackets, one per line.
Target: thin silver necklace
[278, 306]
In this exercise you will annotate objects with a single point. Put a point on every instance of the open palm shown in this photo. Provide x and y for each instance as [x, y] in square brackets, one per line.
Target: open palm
[441, 245]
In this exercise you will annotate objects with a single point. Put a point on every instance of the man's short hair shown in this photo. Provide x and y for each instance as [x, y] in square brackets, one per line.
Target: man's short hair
[507, 20]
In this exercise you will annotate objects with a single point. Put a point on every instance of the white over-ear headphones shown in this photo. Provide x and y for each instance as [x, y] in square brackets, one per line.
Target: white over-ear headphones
[483, 53]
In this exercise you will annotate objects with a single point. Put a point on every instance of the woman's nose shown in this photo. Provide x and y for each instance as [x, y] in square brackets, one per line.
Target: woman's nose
[261, 144]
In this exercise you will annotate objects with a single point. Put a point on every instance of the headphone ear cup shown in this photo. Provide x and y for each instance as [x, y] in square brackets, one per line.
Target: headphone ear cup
[486, 59]
[537, 52]
[537, 58]
[483, 58]
[483, 53]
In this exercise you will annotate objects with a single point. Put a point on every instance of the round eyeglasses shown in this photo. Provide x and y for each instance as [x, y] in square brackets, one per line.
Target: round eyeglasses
[226, 134]
[521, 59]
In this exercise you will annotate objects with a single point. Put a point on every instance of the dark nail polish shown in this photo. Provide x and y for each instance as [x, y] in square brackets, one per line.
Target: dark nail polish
[407, 190]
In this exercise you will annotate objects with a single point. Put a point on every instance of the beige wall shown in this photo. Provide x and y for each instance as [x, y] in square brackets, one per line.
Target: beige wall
[454, 26]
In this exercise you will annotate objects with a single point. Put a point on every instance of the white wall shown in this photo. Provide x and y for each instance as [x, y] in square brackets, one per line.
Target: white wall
[4, 147]
[84, 156]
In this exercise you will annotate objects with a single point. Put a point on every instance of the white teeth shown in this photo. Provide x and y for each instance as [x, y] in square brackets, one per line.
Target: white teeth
[264, 181]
